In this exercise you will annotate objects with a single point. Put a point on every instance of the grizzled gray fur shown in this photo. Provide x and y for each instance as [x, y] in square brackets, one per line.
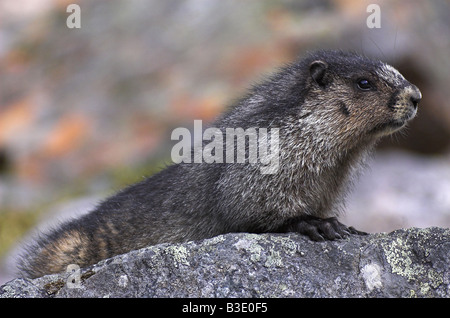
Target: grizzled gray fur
[330, 108]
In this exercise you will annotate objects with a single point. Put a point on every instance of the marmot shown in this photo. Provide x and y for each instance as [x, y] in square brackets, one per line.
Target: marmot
[330, 108]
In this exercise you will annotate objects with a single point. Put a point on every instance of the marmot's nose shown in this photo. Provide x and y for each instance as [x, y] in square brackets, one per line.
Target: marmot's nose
[416, 96]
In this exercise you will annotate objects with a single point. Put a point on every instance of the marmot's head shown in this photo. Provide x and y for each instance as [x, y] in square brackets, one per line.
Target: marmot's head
[363, 97]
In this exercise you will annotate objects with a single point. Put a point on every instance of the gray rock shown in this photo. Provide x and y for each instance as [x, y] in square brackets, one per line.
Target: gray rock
[405, 263]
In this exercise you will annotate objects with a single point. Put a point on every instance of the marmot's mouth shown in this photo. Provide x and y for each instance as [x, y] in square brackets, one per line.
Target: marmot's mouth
[395, 124]
[389, 127]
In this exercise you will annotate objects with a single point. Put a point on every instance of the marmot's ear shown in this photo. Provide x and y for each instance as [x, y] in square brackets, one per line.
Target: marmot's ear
[318, 69]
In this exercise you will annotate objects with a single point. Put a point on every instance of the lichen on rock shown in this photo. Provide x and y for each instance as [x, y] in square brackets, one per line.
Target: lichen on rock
[405, 263]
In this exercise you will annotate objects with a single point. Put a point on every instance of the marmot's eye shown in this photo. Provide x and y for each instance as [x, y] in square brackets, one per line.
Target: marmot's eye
[364, 85]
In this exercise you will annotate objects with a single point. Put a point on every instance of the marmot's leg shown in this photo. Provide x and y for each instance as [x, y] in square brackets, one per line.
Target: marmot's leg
[318, 229]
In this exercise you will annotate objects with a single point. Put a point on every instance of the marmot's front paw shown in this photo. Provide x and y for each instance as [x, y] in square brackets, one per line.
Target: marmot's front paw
[318, 229]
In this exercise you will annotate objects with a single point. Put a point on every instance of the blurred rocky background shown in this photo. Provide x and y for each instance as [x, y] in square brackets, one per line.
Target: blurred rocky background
[84, 112]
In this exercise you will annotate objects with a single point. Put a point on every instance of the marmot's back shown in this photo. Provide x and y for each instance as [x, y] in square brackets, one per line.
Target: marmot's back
[329, 109]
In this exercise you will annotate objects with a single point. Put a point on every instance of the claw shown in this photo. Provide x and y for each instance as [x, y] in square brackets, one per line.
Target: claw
[318, 229]
[357, 232]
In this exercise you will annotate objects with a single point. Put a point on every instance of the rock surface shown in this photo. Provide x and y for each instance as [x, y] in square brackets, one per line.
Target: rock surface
[404, 263]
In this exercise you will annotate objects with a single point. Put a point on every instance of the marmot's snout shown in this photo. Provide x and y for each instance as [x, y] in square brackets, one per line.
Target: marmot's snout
[413, 96]
[407, 103]
[416, 96]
